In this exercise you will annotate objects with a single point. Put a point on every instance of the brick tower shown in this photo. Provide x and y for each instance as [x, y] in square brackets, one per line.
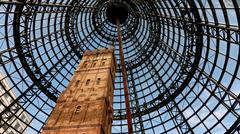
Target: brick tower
[85, 107]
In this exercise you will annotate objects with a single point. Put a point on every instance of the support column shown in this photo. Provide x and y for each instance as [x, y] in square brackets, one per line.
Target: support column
[124, 75]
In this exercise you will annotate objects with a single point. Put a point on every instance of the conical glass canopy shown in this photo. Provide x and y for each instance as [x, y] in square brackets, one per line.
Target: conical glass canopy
[182, 61]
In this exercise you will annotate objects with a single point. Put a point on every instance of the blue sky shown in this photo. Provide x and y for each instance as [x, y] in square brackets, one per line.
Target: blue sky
[219, 112]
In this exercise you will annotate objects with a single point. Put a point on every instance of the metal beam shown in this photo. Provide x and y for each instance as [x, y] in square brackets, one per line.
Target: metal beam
[124, 75]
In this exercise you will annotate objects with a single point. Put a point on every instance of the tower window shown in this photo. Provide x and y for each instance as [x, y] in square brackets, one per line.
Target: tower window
[88, 81]
[94, 64]
[98, 81]
[77, 83]
[85, 65]
[103, 63]
[78, 108]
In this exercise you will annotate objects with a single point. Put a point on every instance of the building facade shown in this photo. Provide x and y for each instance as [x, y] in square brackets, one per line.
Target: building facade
[86, 106]
[7, 96]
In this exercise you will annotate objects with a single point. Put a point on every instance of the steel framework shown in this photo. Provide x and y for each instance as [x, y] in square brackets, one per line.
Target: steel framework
[182, 60]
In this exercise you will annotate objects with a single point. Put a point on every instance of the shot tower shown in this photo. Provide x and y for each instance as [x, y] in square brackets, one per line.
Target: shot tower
[85, 107]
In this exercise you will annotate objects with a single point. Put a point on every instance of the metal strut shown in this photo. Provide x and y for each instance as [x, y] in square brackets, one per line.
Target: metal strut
[123, 66]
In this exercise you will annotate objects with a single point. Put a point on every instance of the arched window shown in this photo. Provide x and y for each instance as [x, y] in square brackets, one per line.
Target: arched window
[87, 82]
[78, 109]
[94, 64]
[77, 83]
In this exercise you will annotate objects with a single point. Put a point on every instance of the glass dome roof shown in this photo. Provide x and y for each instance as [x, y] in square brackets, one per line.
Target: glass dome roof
[182, 60]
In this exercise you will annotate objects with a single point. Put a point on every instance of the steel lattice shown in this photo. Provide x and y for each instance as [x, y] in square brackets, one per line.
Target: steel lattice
[182, 59]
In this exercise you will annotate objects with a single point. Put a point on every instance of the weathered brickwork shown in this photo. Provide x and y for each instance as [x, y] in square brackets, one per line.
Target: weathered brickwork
[85, 107]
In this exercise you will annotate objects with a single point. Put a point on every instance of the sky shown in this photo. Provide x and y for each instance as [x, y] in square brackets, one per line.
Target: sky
[219, 112]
